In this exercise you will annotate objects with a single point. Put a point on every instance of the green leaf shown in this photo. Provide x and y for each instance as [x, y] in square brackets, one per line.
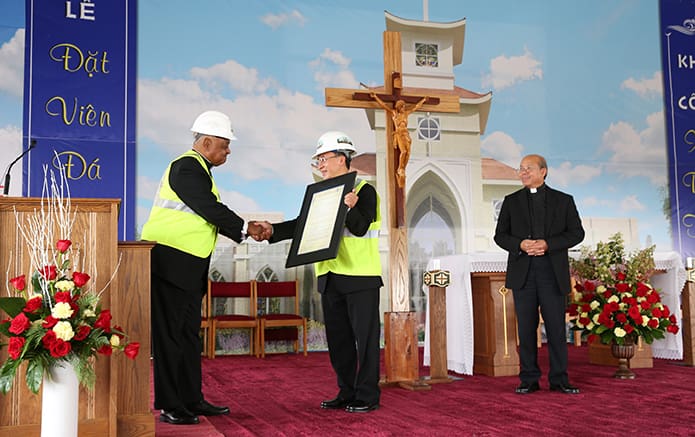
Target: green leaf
[5, 329]
[12, 305]
[34, 375]
[84, 369]
[7, 373]
[6, 383]
[658, 334]
[607, 337]
[648, 337]
[36, 283]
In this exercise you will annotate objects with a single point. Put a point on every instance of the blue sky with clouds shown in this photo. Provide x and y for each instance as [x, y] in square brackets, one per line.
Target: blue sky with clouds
[577, 81]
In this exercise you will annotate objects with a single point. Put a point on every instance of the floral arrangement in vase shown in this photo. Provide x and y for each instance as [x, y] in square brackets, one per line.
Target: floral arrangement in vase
[613, 300]
[54, 316]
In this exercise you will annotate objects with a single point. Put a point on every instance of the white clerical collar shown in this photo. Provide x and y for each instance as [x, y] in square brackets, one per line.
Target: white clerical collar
[537, 189]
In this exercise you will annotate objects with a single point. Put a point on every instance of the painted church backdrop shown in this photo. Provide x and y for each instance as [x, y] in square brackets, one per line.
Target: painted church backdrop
[578, 82]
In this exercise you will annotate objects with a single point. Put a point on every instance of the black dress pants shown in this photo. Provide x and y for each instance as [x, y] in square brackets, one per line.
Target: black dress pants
[352, 331]
[541, 291]
[176, 344]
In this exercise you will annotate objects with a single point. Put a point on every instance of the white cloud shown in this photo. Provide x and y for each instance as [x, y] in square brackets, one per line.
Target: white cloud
[605, 203]
[630, 203]
[645, 88]
[277, 129]
[627, 205]
[11, 141]
[507, 71]
[565, 174]
[331, 69]
[502, 147]
[146, 187]
[240, 201]
[636, 153]
[333, 56]
[235, 76]
[274, 21]
[12, 65]
[590, 201]
[141, 215]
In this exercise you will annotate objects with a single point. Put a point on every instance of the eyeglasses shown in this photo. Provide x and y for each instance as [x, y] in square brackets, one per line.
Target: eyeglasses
[323, 159]
[526, 169]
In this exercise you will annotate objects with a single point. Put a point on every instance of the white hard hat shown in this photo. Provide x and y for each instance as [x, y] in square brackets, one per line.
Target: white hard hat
[335, 141]
[214, 123]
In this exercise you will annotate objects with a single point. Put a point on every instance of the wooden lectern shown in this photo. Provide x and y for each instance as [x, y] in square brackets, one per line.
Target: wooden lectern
[437, 281]
[494, 325]
[119, 403]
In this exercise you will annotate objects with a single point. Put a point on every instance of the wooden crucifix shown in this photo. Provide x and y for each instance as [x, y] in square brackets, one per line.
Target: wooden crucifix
[397, 324]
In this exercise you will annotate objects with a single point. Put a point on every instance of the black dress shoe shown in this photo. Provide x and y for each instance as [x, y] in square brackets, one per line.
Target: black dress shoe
[527, 387]
[361, 407]
[335, 404]
[178, 416]
[565, 388]
[205, 408]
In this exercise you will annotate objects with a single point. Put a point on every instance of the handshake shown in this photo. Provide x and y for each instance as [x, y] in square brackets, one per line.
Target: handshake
[259, 230]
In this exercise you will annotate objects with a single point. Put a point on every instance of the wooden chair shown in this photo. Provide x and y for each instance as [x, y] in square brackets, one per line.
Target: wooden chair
[283, 290]
[240, 292]
[205, 323]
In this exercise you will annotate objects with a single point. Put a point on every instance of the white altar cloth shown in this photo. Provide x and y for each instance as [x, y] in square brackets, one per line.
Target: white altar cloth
[459, 304]
[670, 285]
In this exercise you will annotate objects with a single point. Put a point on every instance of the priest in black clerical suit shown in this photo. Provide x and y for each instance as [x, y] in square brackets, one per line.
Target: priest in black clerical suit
[537, 225]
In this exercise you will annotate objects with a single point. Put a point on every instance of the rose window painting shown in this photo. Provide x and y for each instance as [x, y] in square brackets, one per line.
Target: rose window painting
[428, 129]
[426, 55]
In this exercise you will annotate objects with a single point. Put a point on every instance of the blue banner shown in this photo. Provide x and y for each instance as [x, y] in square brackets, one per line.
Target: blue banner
[677, 25]
[79, 99]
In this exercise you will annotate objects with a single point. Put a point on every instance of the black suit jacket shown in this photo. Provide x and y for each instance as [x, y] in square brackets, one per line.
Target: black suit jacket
[563, 229]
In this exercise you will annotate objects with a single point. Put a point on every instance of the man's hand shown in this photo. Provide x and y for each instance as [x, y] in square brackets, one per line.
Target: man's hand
[259, 231]
[534, 247]
[351, 199]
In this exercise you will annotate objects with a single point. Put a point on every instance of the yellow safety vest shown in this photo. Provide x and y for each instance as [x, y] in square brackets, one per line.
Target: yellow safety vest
[357, 256]
[174, 224]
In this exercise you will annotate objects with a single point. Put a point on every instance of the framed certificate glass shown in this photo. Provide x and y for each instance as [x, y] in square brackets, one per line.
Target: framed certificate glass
[320, 222]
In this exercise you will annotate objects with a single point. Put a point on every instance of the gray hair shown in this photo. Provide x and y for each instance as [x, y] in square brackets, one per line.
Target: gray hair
[197, 136]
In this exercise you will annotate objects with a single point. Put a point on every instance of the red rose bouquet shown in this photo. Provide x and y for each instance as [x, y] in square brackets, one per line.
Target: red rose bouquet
[58, 319]
[613, 300]
[621, 312]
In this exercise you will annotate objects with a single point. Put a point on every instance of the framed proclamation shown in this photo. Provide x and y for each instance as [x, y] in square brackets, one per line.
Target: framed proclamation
[320, 221]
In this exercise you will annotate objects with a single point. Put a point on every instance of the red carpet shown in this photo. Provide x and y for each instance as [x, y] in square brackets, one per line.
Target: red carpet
[280, 396]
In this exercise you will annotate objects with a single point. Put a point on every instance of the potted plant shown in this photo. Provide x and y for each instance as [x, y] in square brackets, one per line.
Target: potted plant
[57, 321]
[56, 324]
[614, 303]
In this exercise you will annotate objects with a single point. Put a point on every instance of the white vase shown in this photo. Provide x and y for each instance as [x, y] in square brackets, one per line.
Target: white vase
[60, 402]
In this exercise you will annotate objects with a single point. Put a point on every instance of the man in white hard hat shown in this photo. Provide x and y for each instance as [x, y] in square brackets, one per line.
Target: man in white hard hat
[184, 221]
[349, 284]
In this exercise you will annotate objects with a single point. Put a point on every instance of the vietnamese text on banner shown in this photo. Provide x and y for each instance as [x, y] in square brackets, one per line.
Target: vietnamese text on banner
[79, 99]
[677, 26]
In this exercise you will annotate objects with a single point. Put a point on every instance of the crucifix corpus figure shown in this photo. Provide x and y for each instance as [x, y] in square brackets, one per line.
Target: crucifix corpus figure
[401, 137]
